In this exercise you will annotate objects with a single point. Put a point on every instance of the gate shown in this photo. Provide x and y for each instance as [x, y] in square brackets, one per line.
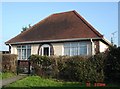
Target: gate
[23, 67]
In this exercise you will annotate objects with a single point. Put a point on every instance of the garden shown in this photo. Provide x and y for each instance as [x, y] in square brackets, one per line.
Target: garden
[100, 70]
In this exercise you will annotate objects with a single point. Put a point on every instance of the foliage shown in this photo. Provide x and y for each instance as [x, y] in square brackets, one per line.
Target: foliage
[9, 62]
[83, 69]
[112, 65]
[43, 65]
[74, 68]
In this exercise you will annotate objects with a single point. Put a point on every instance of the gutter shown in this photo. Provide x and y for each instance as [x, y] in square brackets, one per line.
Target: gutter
[10, 47]
[92, 47]
[59, 40]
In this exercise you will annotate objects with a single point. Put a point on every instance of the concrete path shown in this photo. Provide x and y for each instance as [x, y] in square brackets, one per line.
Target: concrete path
[12, 79]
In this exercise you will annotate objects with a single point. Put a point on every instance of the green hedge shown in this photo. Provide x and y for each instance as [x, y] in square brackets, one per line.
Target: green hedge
[43, 65]
[112, 65]
[74, 68]
[9, 62]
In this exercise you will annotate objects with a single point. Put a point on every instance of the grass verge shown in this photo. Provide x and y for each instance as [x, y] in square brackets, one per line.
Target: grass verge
[6, 75]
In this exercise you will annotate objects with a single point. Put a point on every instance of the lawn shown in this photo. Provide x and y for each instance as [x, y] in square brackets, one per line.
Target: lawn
[6, 75]
[31, 82]
[36, 81]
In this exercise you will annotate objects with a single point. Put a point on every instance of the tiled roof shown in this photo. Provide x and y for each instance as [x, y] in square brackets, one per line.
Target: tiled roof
[65, 25]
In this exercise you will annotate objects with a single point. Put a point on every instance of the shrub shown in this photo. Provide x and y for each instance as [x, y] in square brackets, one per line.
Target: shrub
[112, 65]
[70, 68]
[95, 67]
[43, 65]
[82, 69]
[9, 62]
[74, 68]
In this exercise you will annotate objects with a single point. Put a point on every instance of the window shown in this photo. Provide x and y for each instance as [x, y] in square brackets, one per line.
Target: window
[75, 48]
[83, 50]
[23, 52]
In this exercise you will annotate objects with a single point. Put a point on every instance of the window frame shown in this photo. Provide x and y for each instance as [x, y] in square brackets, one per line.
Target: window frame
[75, 48]
[21, 48]
[42, 49]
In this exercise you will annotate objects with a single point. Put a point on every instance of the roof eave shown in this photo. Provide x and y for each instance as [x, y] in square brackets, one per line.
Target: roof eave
[59, 40]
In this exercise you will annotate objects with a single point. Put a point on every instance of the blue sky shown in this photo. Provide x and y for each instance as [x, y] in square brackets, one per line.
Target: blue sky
[101, 15]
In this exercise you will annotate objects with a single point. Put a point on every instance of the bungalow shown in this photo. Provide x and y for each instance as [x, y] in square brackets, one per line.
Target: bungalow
[65, 33]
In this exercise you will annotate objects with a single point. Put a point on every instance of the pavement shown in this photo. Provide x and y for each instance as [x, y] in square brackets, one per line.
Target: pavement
[12, 79]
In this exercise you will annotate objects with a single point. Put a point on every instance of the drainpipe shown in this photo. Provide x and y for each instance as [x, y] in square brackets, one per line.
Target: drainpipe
[92, 47]
[10, 47]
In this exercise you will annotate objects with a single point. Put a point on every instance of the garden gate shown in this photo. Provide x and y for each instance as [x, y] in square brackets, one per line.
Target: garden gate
[23, 67]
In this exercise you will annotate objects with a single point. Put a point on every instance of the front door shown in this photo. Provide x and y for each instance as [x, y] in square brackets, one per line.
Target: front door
[46, 51]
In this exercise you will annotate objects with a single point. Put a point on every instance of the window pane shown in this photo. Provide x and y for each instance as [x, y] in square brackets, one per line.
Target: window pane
[67, 45]
[74, 51]
[28, 47]
[23, 53]
[23, 47]
[83, 50]
[28, 53]
[74, 44]
[66, 51]
[19, 54]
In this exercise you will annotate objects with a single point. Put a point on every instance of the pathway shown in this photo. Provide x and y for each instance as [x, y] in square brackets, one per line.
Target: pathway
[12, 79]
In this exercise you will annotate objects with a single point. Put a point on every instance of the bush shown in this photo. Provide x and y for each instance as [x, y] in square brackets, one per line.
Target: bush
[43, 65]
[74, 68]
[95, 67]
[82, 69]
[70, 68]
[9, 63]
[112, 65]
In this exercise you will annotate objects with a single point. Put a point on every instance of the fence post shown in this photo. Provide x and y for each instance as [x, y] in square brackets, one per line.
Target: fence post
[28, 66]
[18, 62]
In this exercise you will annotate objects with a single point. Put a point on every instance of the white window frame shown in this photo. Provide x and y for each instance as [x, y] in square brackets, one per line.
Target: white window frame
[26, 48]
[42, 49]
[78, 47]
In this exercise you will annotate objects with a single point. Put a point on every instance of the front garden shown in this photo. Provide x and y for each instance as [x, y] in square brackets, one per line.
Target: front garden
[99, 70]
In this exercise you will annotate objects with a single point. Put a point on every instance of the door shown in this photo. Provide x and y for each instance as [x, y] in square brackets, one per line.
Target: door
[46, 51]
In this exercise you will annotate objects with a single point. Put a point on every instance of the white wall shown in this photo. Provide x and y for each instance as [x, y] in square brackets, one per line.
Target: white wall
[34, 48]
[58, 49]
[102, 46]
[13, 49]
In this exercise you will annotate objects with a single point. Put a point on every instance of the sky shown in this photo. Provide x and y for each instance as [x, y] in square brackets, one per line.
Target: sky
[119, 24]
[103, 16]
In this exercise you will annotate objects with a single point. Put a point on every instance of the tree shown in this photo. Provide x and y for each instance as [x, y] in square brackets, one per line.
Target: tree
[25, 28]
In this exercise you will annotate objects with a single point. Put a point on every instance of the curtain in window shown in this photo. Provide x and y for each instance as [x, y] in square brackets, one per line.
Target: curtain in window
[75, 48]
[24, 52]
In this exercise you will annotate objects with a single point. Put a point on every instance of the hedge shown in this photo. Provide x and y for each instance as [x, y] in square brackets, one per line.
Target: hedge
[9, 62]
[112, 65]
[74, 68]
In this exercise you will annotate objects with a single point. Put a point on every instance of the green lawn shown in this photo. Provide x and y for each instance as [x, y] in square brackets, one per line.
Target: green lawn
[36, 81]
[6, 75]
[31, 82]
